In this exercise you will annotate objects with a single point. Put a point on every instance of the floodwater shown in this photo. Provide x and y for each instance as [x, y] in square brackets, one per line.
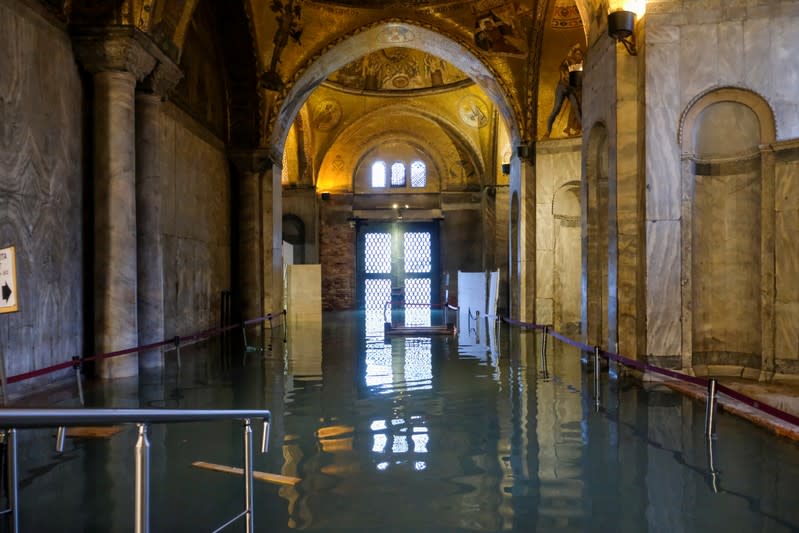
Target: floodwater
[467, 433]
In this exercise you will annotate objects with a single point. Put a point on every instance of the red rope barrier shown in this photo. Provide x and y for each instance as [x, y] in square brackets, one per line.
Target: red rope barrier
[646, 367]
[176, 340]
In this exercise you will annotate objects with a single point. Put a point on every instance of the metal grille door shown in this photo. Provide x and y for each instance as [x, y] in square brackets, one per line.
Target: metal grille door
[400, 261]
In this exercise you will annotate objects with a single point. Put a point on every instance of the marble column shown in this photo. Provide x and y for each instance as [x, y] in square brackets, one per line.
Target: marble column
[254, 259]
[116, 61]
[523, 293]
[273, 224]
[150, 300]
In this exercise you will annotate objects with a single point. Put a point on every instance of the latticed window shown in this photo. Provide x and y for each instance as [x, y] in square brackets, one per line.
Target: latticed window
[417, 252]
[377, 253]
[398, 174]
[378, 174]
[418, 174]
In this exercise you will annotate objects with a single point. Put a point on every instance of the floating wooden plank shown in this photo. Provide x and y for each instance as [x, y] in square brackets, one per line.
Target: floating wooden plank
[262, 476]
[96, 432]
[329, 432]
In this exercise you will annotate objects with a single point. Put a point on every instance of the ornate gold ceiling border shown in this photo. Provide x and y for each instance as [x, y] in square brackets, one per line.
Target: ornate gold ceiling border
[397, 4]
[422, 91]
[534, 68]
[502, 84]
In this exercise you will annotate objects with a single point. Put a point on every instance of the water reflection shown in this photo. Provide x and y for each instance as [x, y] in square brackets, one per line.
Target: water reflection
[429, 434]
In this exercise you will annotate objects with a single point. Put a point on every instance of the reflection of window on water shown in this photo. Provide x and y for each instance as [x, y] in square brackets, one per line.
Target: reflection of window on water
[408, 439]
[418, 363]
[378, 363]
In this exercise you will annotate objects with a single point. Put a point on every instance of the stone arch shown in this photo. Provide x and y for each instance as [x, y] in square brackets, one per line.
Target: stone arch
[727, 264]
[356, 135]
[595, 238]
[378, 36]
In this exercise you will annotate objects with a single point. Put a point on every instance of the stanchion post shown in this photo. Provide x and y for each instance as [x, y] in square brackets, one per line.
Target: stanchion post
[76, 366]
[597, 368]
[710, 409]
[544, 335]
[142, 524]
[177, 349]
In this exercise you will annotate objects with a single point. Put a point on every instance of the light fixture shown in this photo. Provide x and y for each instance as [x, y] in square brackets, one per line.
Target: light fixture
[621, 24]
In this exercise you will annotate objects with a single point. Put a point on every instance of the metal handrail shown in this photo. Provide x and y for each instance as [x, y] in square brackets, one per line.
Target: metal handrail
[13, 419]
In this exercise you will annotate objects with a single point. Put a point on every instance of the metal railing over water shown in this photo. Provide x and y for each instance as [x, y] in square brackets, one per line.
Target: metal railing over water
[13, 419]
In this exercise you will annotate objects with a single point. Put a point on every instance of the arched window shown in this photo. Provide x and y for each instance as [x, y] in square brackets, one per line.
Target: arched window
[398, 174]
[418, 174]
[378, 174]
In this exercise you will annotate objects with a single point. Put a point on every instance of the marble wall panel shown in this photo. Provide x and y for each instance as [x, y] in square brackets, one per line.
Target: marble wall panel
[786, 186]
[731, 42]
[787, 256]
[758, 69]
[545, 230]
[41, 191]
[196, 226]
[699, 62]
[787, 113]
[544, 266]
[726, 269]
[786, 341]
[663, 296]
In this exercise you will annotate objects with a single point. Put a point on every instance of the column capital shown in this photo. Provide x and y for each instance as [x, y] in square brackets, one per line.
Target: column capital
[163, 78]
[249, 161]
[117, 48]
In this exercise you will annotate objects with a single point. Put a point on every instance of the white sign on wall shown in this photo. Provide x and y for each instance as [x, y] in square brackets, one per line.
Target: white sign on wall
[8, 281]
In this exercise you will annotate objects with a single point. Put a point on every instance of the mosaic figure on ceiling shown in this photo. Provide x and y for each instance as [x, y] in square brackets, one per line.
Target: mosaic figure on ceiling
[568, 87]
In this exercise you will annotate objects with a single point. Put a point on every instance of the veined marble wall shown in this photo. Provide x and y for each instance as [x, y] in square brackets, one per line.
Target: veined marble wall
[558, 246]
[600, 92]
[196, 223]
[786, 306]
[41, 190]
[692, 48]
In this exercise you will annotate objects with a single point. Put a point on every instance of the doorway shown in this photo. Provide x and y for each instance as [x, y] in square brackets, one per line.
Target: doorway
[398, 268]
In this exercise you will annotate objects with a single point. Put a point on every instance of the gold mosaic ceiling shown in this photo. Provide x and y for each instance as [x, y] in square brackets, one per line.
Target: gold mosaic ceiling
[398, 70]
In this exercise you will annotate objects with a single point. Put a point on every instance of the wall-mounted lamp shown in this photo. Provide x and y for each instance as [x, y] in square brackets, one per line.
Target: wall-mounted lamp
[325, 195]
[620, 27]
[353, 222]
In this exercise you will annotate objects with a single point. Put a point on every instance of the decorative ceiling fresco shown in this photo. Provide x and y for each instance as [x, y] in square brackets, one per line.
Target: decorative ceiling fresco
[398, 69]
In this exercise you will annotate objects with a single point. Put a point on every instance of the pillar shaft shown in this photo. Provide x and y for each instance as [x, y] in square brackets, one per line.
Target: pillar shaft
[251, 252]
[115, 266]
[150, 300]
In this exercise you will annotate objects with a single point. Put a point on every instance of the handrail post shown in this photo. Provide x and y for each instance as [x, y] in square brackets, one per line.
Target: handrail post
[710, 409]
[248, 476]
[544, 335]
[13, 478]
[596, 375]
[142, 495]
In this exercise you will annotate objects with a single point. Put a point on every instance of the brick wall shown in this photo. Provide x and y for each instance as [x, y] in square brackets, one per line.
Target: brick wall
[337, 256]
